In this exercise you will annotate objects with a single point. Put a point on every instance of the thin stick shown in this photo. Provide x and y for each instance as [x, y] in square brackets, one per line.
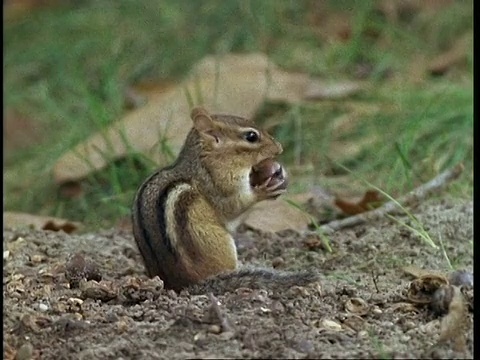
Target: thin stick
[374, 278]
[391, 207]
[218, 312]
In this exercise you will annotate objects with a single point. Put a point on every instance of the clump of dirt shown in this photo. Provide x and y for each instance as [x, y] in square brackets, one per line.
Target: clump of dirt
[113, 311]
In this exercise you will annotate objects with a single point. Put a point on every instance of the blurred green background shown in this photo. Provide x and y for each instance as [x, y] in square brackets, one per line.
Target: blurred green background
[69, 65]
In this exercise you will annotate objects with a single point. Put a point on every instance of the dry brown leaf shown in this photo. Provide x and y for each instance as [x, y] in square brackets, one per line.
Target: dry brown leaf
[370, 200]
[16, 220]
[275, 216]
[235, 84]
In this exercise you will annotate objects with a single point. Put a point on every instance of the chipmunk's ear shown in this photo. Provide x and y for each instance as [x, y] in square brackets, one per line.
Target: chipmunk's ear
[206, 127]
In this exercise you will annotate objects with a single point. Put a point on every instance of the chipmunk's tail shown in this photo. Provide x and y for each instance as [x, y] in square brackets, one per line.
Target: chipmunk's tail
[254, 278]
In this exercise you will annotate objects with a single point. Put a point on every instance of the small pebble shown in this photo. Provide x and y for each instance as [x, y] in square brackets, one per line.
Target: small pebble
[362, 334]
[199, 337]
[408, 325]
[405, 338]
[376, 310]
[75, 301]
[331, 325]
[122, 326]
[215, 329]
[42, 307]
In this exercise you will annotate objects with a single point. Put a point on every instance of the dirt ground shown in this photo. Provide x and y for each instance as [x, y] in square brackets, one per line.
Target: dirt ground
[357, 310]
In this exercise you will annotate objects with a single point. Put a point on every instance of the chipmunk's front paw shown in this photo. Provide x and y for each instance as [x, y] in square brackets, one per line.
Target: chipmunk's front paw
[268, 179]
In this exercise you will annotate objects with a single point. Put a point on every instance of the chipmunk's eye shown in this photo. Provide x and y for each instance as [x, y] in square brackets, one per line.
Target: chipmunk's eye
[251, 136]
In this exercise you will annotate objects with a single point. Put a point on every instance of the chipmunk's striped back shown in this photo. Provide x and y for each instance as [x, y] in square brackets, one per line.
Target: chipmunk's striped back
[150, 224]
[178, 233]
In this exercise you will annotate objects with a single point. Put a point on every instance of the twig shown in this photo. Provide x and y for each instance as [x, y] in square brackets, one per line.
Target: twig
[224, 323]
[374, 278]
[414, 196]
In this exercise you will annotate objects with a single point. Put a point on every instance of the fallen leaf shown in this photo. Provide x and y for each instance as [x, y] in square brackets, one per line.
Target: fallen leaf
[370, 200]
[17, 220]
[276, 215]
[233, 84]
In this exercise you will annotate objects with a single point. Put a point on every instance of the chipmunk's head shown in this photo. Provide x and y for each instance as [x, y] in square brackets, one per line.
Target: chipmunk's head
[233, 140]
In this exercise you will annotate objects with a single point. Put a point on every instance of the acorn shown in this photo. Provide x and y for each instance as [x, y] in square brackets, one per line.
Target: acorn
[271, 170]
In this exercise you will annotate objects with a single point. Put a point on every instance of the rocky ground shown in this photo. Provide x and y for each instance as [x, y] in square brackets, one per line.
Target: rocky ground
[366, 305]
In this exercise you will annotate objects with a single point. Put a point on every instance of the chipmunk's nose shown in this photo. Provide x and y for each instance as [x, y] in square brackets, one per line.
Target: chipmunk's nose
[279, 147]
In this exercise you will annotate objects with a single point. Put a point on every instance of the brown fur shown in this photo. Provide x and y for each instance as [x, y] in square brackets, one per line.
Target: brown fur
[181, 213]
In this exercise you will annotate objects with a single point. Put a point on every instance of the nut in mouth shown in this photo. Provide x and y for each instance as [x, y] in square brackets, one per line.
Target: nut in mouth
[269, 172]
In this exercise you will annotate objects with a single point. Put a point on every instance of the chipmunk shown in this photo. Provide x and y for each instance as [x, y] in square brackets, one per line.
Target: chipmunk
[184, 214]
